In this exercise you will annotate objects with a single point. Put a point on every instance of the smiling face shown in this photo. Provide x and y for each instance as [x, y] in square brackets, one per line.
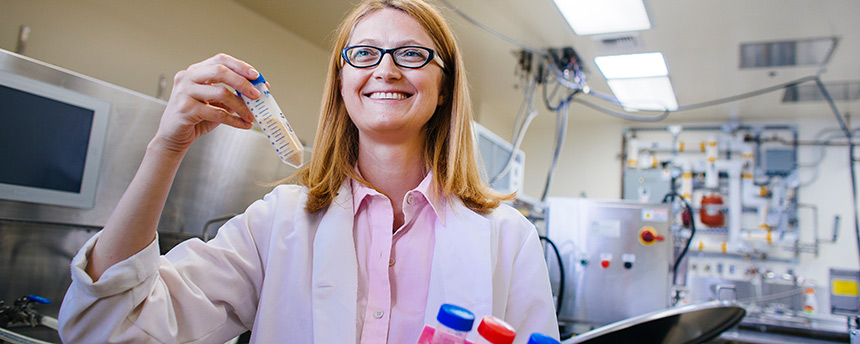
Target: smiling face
[388, 103]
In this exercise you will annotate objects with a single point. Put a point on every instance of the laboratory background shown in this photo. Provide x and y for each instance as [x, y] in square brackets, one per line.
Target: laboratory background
[691, 171]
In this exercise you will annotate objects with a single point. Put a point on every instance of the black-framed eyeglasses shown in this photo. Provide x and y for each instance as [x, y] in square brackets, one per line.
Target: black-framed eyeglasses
[412, 56]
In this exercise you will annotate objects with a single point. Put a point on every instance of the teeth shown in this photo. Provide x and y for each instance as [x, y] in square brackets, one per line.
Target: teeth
[387, 95]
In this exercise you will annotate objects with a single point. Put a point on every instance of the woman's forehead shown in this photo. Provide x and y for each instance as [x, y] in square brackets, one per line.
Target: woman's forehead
[389, 28]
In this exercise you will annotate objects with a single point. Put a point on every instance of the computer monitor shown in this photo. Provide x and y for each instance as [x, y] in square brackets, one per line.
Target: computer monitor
[51, 142]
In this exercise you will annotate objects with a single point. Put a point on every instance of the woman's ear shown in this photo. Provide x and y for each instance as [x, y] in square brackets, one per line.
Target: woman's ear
[443, 93]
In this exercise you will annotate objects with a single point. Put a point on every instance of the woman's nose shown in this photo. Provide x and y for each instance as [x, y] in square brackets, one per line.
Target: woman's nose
[387, 69]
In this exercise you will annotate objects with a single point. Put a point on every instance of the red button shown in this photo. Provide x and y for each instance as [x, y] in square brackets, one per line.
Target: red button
[648, 236]
[604, 263]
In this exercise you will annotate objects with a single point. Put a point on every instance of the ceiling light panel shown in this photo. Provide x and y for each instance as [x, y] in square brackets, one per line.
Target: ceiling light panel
[654, 93]
[632, 65]
[589, 17]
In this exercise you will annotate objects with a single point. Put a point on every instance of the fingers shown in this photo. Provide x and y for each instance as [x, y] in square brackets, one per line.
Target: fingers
[216, 113]
[223, 68]
[202, 99]
[220, 96]
[218, 71]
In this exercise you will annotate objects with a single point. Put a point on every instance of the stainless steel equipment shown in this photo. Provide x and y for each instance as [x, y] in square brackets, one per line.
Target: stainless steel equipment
[223, 173]
[648, 185]
[844, 292]
[617, 258]
[681, 325]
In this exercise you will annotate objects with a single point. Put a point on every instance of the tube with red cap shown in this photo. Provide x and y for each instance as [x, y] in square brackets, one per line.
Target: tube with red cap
[493, 330]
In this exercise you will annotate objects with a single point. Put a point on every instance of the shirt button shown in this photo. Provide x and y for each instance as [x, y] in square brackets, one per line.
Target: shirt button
[378, 314]
[409, 199]
[391, 262]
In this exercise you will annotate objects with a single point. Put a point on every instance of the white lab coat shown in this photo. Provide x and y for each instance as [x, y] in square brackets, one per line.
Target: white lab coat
[291, 277]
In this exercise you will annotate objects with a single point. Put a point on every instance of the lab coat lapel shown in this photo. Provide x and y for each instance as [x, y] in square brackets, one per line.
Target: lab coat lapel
[335, 273]
[462, 263]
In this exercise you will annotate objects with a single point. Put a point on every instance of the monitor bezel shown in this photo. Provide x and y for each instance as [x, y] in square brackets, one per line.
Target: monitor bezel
[98, 131]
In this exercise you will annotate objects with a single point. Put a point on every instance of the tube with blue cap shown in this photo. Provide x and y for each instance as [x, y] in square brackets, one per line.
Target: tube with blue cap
[274, 124]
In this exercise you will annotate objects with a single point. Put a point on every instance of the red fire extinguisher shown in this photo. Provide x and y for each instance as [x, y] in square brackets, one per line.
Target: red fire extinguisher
[711, 213]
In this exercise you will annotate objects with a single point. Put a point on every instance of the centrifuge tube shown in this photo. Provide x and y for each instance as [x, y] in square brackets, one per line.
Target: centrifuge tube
[274, 124]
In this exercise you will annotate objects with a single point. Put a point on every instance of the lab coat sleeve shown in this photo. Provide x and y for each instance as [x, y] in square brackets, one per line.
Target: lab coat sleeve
[198, 292]
[529, 306]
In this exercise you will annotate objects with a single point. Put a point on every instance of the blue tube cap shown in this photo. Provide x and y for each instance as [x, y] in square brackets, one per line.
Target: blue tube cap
[457, 318]
[540, 338]
[258, 80]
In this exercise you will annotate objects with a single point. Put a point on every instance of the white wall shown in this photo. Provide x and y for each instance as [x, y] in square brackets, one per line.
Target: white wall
[831, 192]
[134, 43]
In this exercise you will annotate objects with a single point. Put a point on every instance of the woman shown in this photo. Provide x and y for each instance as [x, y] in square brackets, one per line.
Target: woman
[390, 219]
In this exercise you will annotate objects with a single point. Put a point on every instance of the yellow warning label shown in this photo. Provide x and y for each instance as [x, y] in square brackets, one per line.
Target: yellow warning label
[843, 287]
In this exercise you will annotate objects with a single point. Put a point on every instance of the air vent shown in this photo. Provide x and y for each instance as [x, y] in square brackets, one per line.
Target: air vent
[839, 91]
[617, 42]
[816, 51]
[494, 154]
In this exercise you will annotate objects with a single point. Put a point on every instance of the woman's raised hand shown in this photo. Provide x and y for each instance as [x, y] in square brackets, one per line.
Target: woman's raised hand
[200, 101]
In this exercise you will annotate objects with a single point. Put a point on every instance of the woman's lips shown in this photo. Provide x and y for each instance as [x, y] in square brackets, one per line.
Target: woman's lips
[388, 95]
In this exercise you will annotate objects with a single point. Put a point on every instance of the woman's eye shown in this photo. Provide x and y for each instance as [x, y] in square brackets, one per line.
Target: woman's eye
[412, 54]
[363, 53]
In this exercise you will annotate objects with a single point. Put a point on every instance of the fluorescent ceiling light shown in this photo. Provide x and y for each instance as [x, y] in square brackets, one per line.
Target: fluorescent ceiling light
[589, 17]
[632, 65]
[653, 93]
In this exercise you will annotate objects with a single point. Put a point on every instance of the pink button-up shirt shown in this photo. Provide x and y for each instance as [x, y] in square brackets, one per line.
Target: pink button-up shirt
[394, 269]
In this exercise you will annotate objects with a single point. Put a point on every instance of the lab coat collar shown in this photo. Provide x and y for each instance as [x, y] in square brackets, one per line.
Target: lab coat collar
[335, 273]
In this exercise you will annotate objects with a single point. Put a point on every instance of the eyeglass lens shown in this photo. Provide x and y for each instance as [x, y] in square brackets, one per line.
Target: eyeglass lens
[366, 56]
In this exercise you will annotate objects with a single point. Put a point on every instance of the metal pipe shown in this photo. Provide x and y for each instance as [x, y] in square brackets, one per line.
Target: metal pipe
[561, 131]
[814, 208]
[14, 338]
[23, 37]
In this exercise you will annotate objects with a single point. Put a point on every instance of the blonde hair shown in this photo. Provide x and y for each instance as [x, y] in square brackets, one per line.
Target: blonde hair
[449, 150]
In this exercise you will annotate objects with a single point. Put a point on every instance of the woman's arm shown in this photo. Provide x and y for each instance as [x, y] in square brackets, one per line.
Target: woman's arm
[198, 103]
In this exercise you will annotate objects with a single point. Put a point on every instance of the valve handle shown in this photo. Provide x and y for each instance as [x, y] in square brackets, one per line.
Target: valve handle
[38, 299]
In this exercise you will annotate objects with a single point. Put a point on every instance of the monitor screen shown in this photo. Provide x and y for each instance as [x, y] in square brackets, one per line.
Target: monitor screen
[52, 140]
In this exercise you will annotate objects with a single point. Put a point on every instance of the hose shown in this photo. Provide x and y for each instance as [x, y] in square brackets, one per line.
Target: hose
[558, 300]
[671, 197]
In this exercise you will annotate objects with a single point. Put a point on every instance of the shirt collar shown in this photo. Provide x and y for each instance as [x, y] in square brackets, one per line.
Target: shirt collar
[432, 194]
